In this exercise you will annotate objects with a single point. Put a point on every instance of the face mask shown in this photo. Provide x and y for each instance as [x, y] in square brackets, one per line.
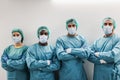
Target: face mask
[43, 38]
[72, 31]
[16, 39]
[107, 29]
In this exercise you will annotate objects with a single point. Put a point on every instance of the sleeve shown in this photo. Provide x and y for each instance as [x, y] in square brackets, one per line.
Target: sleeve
[4, 59]
[61, 54]
[19, 64]
[109, 56]
[55, 65]
[85, 44]
[81, 52]
[92, 58]
[34, 63]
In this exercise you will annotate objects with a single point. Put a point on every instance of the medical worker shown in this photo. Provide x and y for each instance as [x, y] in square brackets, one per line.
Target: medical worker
[71, 66]
[41, 57]
[13, 58]
[107, 48]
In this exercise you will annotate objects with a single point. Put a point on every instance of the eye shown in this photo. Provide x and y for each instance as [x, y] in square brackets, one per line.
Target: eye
[41, 33]
[105, 24]
[17, 35]
[110, 24]
[14, 35]
[69, 26]
[73, 25]
[46, 33]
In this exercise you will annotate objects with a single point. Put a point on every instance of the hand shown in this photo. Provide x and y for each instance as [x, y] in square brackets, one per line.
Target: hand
[68, 50]
[97, 54]
[48, 62]
[8, 61]
[5, 58]
[40, 68]
[103, 61]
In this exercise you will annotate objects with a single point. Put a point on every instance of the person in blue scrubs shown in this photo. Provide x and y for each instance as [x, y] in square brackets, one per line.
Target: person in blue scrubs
[71, 65]
[41, 57]
[107, 49]
[13, 58]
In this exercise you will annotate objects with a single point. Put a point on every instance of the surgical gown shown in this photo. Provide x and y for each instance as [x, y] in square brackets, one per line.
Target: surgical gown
[37, 57]
[71, 65]
[108, 48]
[13, 61]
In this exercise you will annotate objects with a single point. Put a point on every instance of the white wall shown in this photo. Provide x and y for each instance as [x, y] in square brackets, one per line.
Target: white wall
[30, 14]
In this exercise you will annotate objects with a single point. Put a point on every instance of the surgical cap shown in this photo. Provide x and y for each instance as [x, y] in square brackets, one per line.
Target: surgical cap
[42, 28]
[71, 21]
[109, 18]
[20, 31]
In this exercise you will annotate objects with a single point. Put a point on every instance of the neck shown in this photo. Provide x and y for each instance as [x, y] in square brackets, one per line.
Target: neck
[108, 35]
[18, 45]
[43, 44]
[70, 35]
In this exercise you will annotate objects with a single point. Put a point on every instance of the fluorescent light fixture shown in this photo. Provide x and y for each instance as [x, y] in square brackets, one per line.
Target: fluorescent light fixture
[84, 1]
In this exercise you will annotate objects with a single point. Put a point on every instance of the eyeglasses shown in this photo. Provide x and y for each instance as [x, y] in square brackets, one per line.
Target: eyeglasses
[110, 24]
[43, 33]
[16, 35]
[73, 25]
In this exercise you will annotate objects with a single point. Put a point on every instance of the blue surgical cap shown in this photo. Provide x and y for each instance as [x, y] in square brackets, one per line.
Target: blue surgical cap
[111, 19]
[42, 28]
[19, 31]
[71, 21]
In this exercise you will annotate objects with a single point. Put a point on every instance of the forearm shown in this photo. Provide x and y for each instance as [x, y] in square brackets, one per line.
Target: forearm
[80, 52]
[17, 64]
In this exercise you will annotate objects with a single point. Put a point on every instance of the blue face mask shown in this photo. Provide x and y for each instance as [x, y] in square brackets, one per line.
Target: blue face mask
[72, 31]
[43, 38]
[107, 29]
[16, 39]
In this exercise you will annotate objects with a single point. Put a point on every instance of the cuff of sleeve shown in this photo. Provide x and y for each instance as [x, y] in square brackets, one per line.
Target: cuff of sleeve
[102, 54]
[74, 51]
[48, 62]
[8, 62]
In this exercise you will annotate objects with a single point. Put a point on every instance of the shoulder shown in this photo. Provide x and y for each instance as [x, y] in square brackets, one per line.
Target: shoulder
[116, 36]
[52, 47]
[62, 38]
[81, 36]
[25, 48]
[8, 48]
[32, 47]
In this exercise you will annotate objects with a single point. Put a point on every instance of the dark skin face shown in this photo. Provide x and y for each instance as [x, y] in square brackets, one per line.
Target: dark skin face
[43, 32]
[109, 23]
